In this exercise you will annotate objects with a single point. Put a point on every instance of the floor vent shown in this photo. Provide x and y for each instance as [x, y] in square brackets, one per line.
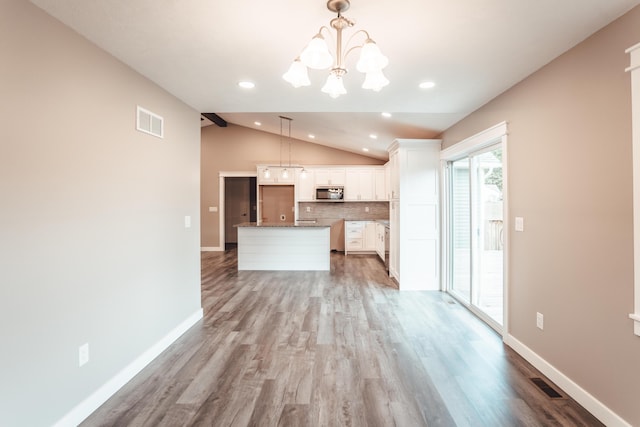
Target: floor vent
[546, 388]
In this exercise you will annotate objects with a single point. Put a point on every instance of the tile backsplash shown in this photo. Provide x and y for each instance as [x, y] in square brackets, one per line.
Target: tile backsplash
[343, 210]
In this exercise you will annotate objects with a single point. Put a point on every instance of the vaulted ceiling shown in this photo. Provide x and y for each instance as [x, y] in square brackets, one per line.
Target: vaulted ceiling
[472, 50]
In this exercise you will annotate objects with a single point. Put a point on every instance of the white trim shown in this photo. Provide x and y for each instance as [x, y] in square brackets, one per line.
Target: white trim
[634, 60]
[211, 249]
[494, 135]
[636, 323]
[577, 393]
[238, 174]
[632, 48]
[506, 227]
[474, 143]
[81, 411]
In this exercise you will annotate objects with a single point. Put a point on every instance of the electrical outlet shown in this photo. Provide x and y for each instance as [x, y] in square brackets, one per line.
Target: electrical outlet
[83, 354]
[308, 209]
[187, 221]
[519, 223]
[540, 321]
[366, 208]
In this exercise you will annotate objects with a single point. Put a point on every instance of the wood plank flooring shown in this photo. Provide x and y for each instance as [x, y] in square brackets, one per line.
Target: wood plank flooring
[338, 348]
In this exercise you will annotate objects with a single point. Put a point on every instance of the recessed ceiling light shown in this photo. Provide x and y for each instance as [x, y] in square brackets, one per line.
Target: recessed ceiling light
[373, 136]
[312, 136]
[426, 85]
[257, 123]
[246, 85]
[365, 149]
[386, 115]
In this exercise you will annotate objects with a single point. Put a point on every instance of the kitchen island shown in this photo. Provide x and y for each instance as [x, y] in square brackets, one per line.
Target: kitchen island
[300, 245]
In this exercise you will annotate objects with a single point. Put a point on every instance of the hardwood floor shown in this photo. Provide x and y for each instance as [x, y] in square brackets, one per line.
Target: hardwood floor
[338, 348]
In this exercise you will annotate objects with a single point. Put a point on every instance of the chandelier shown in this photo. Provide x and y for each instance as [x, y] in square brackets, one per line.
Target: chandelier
[316, 55]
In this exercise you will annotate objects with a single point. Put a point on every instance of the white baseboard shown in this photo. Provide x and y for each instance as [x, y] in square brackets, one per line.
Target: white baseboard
[108, 389]
[577, 393]
[211, 249]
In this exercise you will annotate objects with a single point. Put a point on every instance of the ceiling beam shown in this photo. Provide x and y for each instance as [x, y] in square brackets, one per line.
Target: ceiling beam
[216, 119]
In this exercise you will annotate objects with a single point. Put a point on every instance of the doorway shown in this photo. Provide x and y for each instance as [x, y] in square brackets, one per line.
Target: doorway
[476, 231]
[239, 206]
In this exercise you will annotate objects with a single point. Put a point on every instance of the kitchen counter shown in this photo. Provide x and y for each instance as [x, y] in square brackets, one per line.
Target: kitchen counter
[302, 223]
[300, 245]
[384, 222]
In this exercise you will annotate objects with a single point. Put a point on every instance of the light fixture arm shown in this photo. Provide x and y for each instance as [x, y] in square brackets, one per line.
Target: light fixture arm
[317, 56]
[359, 46]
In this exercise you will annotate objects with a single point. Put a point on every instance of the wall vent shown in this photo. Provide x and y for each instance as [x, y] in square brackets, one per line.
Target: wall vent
[150, 123]
[546, 388]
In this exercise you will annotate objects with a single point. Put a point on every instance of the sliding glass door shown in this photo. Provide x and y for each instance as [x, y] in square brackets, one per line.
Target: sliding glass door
[460, 232]
[476, 236]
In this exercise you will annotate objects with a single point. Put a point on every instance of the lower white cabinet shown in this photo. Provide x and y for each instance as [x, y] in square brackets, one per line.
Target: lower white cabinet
[380, 243]
[359, 236]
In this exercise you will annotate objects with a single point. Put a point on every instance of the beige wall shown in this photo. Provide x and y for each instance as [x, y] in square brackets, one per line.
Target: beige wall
[569, 166]
[236, 148]
[92, 240]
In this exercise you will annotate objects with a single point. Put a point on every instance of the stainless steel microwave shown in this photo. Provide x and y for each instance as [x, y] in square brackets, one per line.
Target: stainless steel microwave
[330, 194]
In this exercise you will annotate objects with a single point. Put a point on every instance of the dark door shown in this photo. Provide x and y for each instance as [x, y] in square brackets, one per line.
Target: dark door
[239, 205]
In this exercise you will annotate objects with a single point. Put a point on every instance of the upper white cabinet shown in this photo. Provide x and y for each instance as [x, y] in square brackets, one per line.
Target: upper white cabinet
[394, 176]
[329, 176]
[276, 175]
[380, 184]
[414, 220]
[365, 184]
[359, 184]
[305, 185]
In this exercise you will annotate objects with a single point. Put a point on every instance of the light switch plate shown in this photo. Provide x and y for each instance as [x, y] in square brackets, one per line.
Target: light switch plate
[519, 223]
[83, 354]
[187, 221]
[540, 321]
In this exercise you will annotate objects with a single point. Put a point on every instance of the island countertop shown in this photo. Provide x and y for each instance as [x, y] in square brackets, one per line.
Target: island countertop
[303, 223]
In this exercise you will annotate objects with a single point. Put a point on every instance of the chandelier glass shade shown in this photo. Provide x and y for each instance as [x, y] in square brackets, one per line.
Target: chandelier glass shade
[316, 55]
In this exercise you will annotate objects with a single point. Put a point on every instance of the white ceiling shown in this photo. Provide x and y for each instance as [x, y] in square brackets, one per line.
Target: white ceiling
[473, 50]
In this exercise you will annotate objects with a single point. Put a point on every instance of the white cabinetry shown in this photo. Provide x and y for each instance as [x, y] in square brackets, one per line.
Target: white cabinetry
[359, 236]
[380, 243]
[394, 243]
[358, 184]
[369, 236]
[380, 184]
[276, 175]
[305, 185]
[414, 221]
[329, 176]
[394, 176]
[365, 184]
